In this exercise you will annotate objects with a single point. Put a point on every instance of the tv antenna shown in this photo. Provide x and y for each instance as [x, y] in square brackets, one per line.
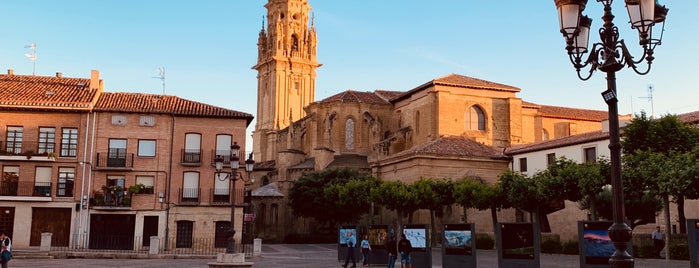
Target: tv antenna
[161, 76]
[32, 56]
[651, 88]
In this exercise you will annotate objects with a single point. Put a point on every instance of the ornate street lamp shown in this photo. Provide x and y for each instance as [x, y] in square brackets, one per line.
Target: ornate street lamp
[611, 55]
[233, 176]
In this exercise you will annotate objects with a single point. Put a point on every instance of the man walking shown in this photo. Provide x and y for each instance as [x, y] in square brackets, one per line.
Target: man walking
[658, 241]
[351, 243]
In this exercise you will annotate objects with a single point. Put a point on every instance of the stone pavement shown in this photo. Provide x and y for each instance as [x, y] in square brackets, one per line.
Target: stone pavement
[309, 256]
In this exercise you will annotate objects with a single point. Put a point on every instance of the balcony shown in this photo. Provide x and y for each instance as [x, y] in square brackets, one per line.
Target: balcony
[110, 200]
[115, 161]
[25, 188]
[189, 196]
[191, 157]
[26, 150]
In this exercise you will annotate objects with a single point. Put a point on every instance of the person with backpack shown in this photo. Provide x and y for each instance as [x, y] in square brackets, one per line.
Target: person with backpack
[405, 247]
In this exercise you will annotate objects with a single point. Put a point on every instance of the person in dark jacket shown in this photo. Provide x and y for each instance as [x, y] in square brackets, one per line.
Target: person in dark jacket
[391, 248]
[405, 247]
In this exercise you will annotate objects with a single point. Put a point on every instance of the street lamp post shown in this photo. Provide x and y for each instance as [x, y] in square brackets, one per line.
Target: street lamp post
[233, 176]
[611, 55]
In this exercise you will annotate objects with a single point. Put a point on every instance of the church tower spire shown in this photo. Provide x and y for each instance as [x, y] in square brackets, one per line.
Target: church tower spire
[286, 70]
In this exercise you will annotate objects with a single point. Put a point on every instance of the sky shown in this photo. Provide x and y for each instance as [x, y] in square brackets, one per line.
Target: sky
[207, 48]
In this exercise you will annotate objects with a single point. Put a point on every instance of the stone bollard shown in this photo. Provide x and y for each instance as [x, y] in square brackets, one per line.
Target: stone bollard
[45, 242]
[154, 245]
[257, 247]
[228, 260]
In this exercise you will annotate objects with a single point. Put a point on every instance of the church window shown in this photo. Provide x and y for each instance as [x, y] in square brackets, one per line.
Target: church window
[274, 214]
[349, 134]
[417, 122]
[475, 118]
[295, 43]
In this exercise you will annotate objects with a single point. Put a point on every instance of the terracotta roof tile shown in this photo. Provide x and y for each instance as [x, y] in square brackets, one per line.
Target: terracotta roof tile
[269, 190]
[557, 143]
[459, 81]
[388, 94]
[454, 146]
[45, 92]
[151, 103]
[568, 113]
[355, 96]
[689, 118]
[349, 161]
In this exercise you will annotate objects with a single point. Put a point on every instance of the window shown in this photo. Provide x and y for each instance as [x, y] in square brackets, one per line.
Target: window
[261, 214]
[190, 191]
[146, 121]
[192, 148]
[42, 181]
[544, 135]
[66, 179]
[349, 134]
[10, 180]
[146, 148]
[221, 192]
[47, 140]
[523, 164]
[117, 153]
[417, 122]
[14, 140]
[119, 120]
[590, 155]
[475, 119]
[550, 159]
[223, 147]
[147, 181]
[184, 234]
[114, 198]
[69, 142]
[273, 214]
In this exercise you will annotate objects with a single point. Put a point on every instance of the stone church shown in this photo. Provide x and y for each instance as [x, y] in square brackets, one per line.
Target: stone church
[449, 127]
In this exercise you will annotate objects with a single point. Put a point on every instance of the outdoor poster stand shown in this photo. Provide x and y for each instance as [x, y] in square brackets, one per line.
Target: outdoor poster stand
[518, 245]
[342, 243]
[595, 246]
[693, 237]
[378, 237]
[421, 256]
[459, 246]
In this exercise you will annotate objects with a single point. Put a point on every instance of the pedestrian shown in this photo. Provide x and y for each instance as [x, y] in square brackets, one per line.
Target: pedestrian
[658, 241]
[392, 251]
[6, 252]
[404, 247]
[351, 243]
[366, 247]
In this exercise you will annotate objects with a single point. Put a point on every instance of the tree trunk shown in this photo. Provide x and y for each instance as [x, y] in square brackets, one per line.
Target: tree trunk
[666, 208]
[465, 214]
[494, 217]
[680, 215]
[593, 208]
[432, 229]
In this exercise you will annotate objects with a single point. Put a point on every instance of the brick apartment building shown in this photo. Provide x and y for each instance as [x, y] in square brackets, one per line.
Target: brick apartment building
[109, 170]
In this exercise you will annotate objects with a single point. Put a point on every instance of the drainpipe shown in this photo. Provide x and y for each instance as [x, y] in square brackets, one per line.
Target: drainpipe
[168, 178]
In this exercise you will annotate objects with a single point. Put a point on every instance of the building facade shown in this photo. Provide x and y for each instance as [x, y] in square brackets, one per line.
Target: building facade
[449, 127]
[109, 170]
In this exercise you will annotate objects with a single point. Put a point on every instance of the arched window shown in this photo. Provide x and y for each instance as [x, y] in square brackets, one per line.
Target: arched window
[349, 134]
[295, 43]
[475, 118]
[261, 217]
[417, 122]
[273, 214]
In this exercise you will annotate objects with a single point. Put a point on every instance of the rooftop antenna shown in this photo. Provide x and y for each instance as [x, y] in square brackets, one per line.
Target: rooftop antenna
[161, 76]
[651, 88]
[32, 56]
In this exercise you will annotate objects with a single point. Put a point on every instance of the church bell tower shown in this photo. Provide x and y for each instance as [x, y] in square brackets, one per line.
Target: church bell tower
[286, 71]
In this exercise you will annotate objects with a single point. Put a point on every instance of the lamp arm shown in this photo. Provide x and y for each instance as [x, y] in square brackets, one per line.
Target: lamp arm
[222, 178]
[592, 61]
[628, 59]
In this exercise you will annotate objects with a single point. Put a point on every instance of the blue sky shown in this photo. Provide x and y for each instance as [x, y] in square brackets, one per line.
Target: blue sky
[208, 47]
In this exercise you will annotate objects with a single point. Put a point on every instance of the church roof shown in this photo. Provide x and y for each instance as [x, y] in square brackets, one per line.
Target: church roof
[46, 92]
[269, 190]
[454, 146]
[559, 142]
[151, 103]
[350, 96]
[568, 113]
[459, 81]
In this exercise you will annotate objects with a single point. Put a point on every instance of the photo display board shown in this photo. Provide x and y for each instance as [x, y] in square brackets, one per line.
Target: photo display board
[458, 239]
[596, 246]
[518, 241]
[417, 235]
[343, 235]
[378, 236]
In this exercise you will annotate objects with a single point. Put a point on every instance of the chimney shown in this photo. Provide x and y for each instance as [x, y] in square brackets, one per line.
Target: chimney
[59, 74]
[95, 79]
[10, 72]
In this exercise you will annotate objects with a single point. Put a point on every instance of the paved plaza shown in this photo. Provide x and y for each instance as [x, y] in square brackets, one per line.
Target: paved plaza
[309, 256]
